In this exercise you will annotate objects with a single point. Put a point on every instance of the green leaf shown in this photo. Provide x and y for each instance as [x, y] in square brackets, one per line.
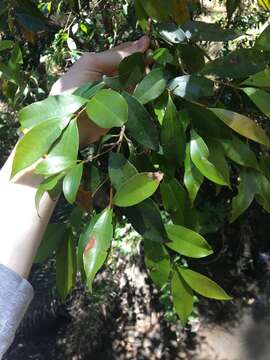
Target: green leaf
[36, 143]
[261, 79]
[162, 56]
[239, 152]
[54, 235]
[157, 261]
[237, 64]
[192, 58]
[157, 9]
[231, 6]
[173, 199]
[141, 15]
[182, 297]
[140, 125]
[138, 188]
[96, 250]
[54, 165]
[120, 169]
[6, 44]
[199, 153]
[262, 195]
[151, 87]
[187, 242]
[63, 154]
[66, 266]
[217, 158]
[171, 33]
[191, 87]
[72, 182]
[203, 31]
[173, 138]
[193, 179]
[131, 69]
[59, 106]
[260, 98]
[203, 285]
[146, 220]
[205, 122]
[48, 184]
[246, 192]
[263, 41]
[242, 125]
[89, 89]
[107, 109]
[114, 82]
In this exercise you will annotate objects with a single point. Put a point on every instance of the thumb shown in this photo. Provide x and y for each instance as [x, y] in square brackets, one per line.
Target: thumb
[107, 62]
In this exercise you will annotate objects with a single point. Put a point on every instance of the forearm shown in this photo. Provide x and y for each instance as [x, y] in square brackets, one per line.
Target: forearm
[21, 227]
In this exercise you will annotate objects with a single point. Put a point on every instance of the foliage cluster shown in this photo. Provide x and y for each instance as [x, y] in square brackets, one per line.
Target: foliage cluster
[188, 128]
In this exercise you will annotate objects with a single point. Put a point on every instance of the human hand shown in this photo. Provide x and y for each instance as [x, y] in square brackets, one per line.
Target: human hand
[92, 66]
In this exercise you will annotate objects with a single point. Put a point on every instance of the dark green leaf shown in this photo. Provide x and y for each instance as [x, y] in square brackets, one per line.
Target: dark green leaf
[192, 87]
[6, 44]
[146, 220]
[237, 64]
[263, 41]
[72, 182]
[242, 125]
[239, 152]
[36, 143]
[59, 106]
[107, 109]
[136, 189]
[54, 235]
[203, 31]
[192, 58]
[182, 297]
[66, 266]
[260, 98]
[193, 179]
[157, 261]
[151, 87]
[187, 242]
[140, 124]
[141, 15]
[131, 69]
[231, 6]
[217, 158]
[89, 89]
[199, 153]
[173, 199]
[162, 56]
[120, 169]
[173, 138]
[203, 285]
[96, 250]
[261, 79]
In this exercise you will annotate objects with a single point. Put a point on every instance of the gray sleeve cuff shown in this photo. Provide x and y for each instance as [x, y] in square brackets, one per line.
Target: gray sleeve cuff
[16, 294]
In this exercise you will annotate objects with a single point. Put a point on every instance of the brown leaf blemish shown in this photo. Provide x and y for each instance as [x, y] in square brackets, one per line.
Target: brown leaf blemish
[91, 243]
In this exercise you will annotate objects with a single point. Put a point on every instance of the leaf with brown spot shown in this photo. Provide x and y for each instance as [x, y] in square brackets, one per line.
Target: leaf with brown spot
[84, 199]
[96, 250]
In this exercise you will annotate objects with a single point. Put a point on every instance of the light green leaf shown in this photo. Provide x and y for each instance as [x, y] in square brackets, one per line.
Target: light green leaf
[239, 152]
[48, 184]
[138, 188]
[199, 154]
[54, 235]
[66, 268]
[173, 138]
[151, 87]
[96, 250]
[217, 158]
[261, 79]
[36, 143]
[203, 285]
[6, 44]
[54, 165]
[107, 109]
[72, 182]
[193, 179]
[242, 125]
[140, 125]
[157, 261]
[146, 220]
[260, 98]
[187, 242]
[120, 169]
[59, 106]
[89, 89]
[182, 297]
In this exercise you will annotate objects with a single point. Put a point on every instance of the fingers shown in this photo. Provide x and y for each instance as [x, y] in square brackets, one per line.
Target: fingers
[107, 62]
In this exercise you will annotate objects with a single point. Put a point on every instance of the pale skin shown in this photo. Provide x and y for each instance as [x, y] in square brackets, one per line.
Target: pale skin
[22, 228]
